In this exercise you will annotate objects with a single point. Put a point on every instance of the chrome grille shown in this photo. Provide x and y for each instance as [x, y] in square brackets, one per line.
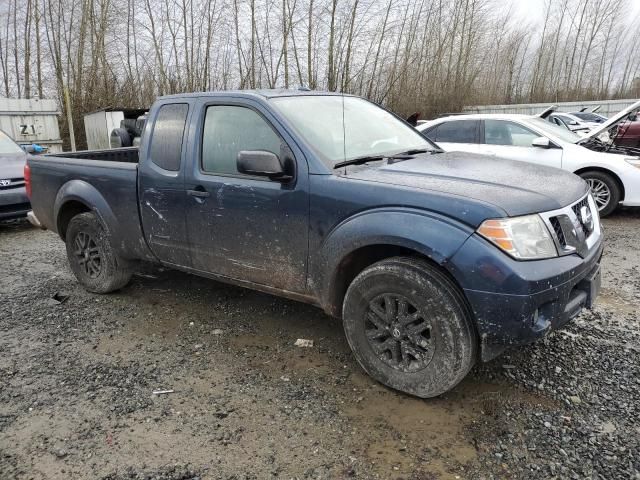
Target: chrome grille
[576, 228]
[557, 228]
[6, 183]
[576, 210]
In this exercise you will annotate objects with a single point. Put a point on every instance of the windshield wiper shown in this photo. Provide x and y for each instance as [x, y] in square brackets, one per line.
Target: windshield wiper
[359, 160]
[395, 157]
[408, 155]
[415, 151]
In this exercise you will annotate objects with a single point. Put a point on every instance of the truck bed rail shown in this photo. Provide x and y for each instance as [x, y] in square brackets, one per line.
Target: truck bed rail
[126, 154]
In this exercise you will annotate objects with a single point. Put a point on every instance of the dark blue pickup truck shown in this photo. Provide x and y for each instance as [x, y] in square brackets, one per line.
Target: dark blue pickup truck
[432, 259]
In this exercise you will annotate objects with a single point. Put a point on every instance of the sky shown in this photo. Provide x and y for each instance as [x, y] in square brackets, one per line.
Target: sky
[533, 10]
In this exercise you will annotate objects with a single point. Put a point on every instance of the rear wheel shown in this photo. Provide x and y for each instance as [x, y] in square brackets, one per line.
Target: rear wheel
[91, 258]
[605, 190]
[409, 326]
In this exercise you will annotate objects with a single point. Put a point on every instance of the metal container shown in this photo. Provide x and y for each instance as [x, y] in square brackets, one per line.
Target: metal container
[98, 125]
[31, 120]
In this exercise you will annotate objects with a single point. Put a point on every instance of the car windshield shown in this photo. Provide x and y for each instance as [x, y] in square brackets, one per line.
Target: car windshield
[341, 128]
[7, 145]
[589, 117]
[554, 130]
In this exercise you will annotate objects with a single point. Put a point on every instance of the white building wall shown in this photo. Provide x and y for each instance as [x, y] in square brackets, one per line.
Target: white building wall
[30, 121]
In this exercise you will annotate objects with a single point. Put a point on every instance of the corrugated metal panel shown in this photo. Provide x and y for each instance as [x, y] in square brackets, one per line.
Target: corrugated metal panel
[31, 121]
[28, 105]
[607, 107]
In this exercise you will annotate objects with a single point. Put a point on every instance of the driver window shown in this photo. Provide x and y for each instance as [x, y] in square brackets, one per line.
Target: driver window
[229, 130]
[500, 132]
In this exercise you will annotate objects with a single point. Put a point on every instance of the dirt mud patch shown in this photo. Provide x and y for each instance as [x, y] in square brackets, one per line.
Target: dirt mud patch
[77, 383]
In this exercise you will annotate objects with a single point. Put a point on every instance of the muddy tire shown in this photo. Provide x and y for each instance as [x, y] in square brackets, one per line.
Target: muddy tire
[409, 326]
[91, 257]
[605, 190]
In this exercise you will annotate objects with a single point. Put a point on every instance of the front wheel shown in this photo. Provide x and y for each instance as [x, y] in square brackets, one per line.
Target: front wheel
[409, 326]
[91, 258]
[605, 190]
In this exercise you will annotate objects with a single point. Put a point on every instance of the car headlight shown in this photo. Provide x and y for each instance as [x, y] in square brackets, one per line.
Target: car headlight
[635, 161]
[524, 238]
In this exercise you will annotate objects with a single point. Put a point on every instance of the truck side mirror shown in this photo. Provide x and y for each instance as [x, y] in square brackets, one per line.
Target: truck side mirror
[262, 164]
[541, 142]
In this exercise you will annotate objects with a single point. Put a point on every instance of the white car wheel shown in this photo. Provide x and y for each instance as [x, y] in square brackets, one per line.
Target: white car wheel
[600, 191]
[605, 189]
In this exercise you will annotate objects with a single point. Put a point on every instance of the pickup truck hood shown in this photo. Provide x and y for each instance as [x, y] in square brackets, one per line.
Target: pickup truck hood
[12, 165]
[518, 188]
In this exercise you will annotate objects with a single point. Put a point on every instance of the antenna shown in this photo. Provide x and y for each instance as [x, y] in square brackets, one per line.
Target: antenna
[344, 135]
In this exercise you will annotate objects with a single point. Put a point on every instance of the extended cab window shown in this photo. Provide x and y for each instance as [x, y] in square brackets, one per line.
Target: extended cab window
[457, 131]
[166, 143]
[229, 130]
[500, 132]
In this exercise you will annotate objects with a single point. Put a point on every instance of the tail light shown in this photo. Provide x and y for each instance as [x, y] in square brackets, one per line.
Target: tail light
[27, 179]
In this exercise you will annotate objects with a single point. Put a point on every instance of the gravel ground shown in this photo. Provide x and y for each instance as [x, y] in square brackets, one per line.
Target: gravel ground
[77, 377]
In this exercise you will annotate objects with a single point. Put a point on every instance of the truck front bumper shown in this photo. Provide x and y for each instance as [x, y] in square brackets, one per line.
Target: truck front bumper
[520, 302]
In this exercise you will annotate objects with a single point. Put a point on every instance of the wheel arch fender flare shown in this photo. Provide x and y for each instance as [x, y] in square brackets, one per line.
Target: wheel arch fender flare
[83, 192]
[431, 235]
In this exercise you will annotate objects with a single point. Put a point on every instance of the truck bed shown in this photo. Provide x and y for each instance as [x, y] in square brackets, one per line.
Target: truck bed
[126, 154]
[109, 184]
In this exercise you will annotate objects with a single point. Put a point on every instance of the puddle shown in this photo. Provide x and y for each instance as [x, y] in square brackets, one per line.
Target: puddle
[430, 436]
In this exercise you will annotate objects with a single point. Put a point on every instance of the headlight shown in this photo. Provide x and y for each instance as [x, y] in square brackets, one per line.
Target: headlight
[633, 161]
[524, 238]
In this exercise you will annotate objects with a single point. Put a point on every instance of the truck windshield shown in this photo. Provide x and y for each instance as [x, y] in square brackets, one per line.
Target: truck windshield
[7, 145]
[343, 128]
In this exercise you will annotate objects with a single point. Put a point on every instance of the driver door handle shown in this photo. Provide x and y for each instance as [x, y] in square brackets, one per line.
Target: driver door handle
[198, 192]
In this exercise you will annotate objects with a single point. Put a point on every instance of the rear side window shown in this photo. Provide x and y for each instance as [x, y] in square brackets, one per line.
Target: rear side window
[168, 131]
[457, 131]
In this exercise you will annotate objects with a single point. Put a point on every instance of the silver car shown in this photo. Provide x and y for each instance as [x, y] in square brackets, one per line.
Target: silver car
[14, 202]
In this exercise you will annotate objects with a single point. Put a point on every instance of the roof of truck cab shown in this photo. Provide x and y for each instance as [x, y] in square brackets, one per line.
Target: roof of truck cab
[262, 93]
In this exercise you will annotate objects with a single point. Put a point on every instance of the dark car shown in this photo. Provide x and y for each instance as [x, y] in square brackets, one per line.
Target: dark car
[433, 260]
[14, 202]
[627, 133]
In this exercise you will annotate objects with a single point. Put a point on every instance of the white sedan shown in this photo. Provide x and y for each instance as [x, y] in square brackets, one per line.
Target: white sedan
[569, 122]
[614, 178]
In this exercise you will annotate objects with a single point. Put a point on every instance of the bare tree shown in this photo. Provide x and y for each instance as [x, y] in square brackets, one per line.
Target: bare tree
[411, 55]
